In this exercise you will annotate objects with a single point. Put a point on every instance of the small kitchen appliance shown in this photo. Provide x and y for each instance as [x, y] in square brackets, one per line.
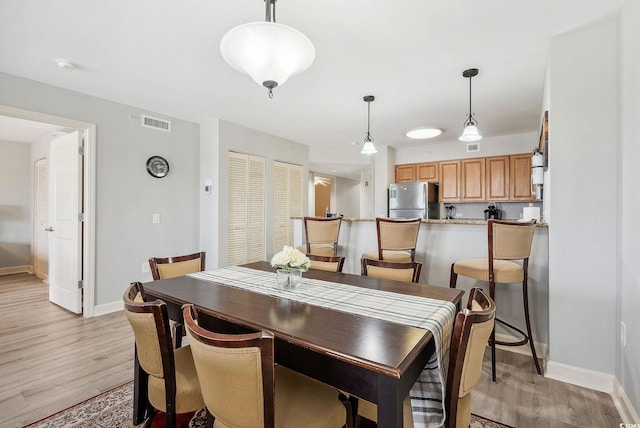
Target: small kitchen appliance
[492, 211]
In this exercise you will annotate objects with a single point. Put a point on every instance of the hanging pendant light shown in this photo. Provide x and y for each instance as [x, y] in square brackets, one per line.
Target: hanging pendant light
[470, 132]
[268, 52]
[368, 148]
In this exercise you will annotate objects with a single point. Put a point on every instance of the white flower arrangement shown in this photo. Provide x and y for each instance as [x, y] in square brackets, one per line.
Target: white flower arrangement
[291, 259]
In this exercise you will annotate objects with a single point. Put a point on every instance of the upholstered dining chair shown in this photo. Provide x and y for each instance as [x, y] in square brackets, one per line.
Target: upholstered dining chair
[471, 331]
[243, 388]
[321, 235]
[398, 271]
[170, 267]
[327, 263]
[508, 241]
[397, 239]
[173, 385]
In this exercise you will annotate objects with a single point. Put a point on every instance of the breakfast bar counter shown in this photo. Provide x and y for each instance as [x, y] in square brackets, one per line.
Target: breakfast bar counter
[444, 241]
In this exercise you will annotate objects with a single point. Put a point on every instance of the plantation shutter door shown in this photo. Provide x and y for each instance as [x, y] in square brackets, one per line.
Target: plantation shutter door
[255, 208]
[237, 209]
[295, 198]
[41, 237]
[280, 205]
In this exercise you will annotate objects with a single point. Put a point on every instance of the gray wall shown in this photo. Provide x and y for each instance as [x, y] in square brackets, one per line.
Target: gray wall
[628, 361]
[16, 206]
[227, 137]
[347, 197]
[126, 195]
[582, 248]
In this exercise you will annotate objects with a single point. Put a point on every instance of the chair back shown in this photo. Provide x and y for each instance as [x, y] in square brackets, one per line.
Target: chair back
[169, 267]
[327, 263]
[472, 329]
[397, 235]
[510, 240]
[397, 271]
[322, 231]
[150, 324]
[236, 373]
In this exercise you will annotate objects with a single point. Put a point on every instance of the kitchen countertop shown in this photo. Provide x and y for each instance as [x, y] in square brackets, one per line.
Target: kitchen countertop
[464, 221]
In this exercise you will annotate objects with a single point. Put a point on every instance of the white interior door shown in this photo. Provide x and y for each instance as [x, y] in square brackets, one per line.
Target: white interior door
[41, 220]
[65, 245]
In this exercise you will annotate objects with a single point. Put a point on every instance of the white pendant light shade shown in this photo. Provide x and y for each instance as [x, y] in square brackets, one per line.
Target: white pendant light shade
[368, 148]
[470, 133]
[267, 51]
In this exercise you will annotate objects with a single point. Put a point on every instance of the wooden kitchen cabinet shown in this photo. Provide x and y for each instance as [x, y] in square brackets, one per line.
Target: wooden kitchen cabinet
[405, 173]
[520, 177]
[473, 178]
[497, 184]
[427, 171]
[449, 173]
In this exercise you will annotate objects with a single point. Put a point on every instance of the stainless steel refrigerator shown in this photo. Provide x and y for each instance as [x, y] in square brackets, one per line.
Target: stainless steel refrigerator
[410, 200]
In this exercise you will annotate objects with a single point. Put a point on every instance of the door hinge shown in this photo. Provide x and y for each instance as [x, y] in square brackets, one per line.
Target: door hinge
[81, 284]
[81, 217]
[81, 150]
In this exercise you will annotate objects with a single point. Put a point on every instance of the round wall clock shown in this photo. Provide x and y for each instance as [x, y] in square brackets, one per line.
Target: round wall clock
[157, 166]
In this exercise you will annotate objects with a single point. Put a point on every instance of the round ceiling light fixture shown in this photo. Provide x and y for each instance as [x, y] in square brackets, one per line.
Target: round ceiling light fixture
[423, 133]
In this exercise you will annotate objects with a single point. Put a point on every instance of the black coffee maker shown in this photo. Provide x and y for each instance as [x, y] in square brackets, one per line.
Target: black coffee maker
[492, 211]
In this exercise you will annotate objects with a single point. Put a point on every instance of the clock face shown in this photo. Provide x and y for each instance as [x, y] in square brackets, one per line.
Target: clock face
[157, 166]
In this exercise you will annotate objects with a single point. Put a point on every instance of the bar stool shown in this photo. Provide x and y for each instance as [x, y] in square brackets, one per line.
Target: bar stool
[397, 239]
[507, 241]
[321, 235]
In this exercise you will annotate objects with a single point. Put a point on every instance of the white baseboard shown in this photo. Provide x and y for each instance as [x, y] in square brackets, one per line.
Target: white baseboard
[581, 377]
[108, 308]
[541, 348]
[16, 269]
[623, 404]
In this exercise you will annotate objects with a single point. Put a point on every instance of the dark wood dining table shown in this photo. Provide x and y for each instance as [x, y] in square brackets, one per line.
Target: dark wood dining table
[373, 359]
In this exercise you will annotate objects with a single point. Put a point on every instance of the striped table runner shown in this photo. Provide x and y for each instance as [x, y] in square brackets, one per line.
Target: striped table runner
[427, 394]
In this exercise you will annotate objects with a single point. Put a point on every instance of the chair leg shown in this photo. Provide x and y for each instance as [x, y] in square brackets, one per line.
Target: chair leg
[492, 339]
[525, 298]
[453, 278]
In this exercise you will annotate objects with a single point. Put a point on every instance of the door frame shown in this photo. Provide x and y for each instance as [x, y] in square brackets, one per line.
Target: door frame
[88, 131]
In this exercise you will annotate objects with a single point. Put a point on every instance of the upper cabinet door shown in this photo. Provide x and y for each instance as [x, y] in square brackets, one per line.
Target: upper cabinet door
[449, 181]
[427, 171]
[405, 173]
[521, 177]
[497, 183]
[473, 175]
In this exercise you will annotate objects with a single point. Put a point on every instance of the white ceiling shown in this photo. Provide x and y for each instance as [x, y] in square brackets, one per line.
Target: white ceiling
[163, 57]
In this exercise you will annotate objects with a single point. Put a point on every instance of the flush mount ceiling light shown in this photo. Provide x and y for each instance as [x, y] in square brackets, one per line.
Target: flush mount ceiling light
[470, 132]
[268, 52]
[368, 148]
[423, 133]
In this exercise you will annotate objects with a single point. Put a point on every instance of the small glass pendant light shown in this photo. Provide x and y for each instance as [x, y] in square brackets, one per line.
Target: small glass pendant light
[368, 148]
[470, 132]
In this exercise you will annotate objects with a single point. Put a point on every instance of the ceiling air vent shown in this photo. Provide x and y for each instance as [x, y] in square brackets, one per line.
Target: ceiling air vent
[155, 123]
[473, 147]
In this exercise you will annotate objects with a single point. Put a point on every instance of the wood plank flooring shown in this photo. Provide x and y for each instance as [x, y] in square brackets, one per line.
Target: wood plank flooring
[51, 359]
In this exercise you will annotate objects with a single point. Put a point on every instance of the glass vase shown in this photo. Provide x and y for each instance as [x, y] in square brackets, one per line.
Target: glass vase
[289, 278]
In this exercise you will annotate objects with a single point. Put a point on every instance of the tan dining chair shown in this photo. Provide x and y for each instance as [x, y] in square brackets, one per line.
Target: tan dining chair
[326, 263]
[243, 388]
[170, 267]
[472, 328]
[398, 271]
[397, 240]
[173, 385]
[321, 235]
[508, 242]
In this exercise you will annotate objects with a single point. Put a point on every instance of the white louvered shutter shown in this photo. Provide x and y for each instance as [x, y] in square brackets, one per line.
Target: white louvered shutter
[41, 247]
[287, 202]
[255, 208]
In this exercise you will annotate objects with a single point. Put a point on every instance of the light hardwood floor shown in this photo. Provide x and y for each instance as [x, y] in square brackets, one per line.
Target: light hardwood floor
[51, 359]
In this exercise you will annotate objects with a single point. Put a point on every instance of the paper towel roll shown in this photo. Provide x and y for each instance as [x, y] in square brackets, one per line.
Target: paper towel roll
[531, 213]
[537, 176]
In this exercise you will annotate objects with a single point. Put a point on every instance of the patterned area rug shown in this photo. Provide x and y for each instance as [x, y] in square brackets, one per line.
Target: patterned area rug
[112, 409]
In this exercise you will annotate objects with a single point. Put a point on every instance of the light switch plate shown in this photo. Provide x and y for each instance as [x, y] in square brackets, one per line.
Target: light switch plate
[145, 267]
[156, 218]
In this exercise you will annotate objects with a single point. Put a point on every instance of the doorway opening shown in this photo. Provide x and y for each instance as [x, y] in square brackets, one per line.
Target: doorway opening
[86, 251]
